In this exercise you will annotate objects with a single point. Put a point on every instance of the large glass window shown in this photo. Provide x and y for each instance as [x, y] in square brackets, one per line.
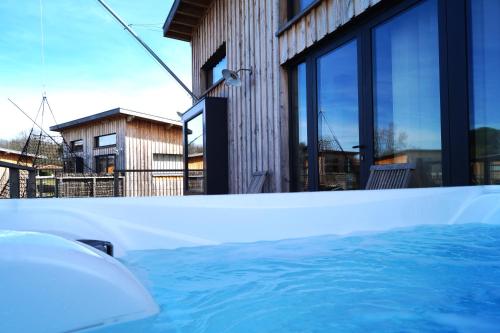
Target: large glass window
[105, 164]
[485, 91]
[195, 151]
[108, 140]
[77, 146]
[216, 71]
[212, 70]
[299, 121]
[407, 92]
[338, 119]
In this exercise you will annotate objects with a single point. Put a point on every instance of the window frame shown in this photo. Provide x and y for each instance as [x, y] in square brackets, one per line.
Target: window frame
[96, 141]
[196, 111]
[453, 51]
[107, 156]
[207, 69]
[72, 146]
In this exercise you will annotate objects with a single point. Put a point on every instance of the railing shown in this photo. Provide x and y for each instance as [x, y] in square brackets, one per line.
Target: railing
[19, 184]
[487, 170]
[88, 186]
[123, 183]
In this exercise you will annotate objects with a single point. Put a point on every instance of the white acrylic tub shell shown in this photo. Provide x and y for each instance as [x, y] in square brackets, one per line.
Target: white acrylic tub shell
[169, 223]
[51, 284]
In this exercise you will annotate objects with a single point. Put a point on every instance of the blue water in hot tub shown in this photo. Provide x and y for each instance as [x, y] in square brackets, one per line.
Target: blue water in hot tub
[424, 279]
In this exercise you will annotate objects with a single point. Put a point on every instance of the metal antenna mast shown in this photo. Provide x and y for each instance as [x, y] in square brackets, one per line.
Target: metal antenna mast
[149, 50]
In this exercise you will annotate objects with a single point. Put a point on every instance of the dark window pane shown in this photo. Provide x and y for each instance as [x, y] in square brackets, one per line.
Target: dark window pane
[195, 160]
[105, 140]
[338, 119]
[407, 92]
[100, 164]
[105, 164]
[79, 164]
[299, 114]
[485, 91]
[299, 5]
[110, 168]
[77, 146]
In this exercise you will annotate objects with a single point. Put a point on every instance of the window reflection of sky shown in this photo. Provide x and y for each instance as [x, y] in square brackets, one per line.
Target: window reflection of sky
[406, 74]
[338, 96]
[305, 3]
[217, 70]
[195, 135]
[485, 67]
[302, 103]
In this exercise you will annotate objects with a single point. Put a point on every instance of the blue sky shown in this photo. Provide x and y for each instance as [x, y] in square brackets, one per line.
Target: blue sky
[91, 63]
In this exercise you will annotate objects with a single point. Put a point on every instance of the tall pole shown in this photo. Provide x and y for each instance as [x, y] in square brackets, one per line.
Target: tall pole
[149, 50]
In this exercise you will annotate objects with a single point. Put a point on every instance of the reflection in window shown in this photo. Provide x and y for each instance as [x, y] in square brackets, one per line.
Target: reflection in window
[406, 92]
[299, 114]
[105, 164]
[195, 159]
[485, 91]
[338, 119]
[77, 146]
[217, 71]
[105, 140]
[212, 70]
[299, 5]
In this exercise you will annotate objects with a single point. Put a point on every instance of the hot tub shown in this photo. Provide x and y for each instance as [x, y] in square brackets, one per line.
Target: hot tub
[166, 228]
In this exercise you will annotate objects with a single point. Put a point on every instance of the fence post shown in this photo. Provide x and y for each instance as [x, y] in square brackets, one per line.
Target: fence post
[56, 182]
[14, 187]
[116, 184]
[94, 181]
[31, 186]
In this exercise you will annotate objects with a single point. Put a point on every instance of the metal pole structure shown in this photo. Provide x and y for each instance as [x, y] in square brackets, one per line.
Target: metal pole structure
[149, 50]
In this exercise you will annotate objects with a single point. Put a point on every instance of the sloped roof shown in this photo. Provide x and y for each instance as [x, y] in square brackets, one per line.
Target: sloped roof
[14, 152]
[184, 17]
[114, 113]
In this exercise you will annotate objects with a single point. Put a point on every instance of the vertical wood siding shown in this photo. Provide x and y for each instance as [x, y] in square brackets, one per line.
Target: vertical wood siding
[248, 28]
[137, 142]
[143, 139]
[88, 132]
[327, 17]
[258, 110]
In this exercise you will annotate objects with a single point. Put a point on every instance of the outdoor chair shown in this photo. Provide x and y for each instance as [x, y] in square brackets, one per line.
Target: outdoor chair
[257, 182]
[390, 176]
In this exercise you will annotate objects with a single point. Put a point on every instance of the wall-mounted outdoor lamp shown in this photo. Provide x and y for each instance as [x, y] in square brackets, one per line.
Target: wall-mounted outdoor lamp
[233, 78]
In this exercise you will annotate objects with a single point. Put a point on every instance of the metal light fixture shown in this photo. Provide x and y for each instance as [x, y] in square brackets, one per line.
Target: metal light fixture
[233, 78]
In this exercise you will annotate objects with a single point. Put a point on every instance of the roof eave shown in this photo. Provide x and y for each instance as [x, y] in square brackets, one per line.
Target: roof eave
[113, 113]
[183, 18]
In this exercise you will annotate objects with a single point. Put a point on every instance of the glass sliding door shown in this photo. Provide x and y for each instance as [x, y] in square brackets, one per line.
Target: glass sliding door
[300, 148]
[406, 85]
[195, 155]
[484, 76]
[338, 119]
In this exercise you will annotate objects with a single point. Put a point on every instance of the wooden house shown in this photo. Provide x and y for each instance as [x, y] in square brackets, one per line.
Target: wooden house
[16, 158]
[376, 77]
[146, 148]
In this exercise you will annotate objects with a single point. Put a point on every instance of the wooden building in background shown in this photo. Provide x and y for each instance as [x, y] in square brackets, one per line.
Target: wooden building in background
[142, 145]
[376, 78]
[13, 157]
